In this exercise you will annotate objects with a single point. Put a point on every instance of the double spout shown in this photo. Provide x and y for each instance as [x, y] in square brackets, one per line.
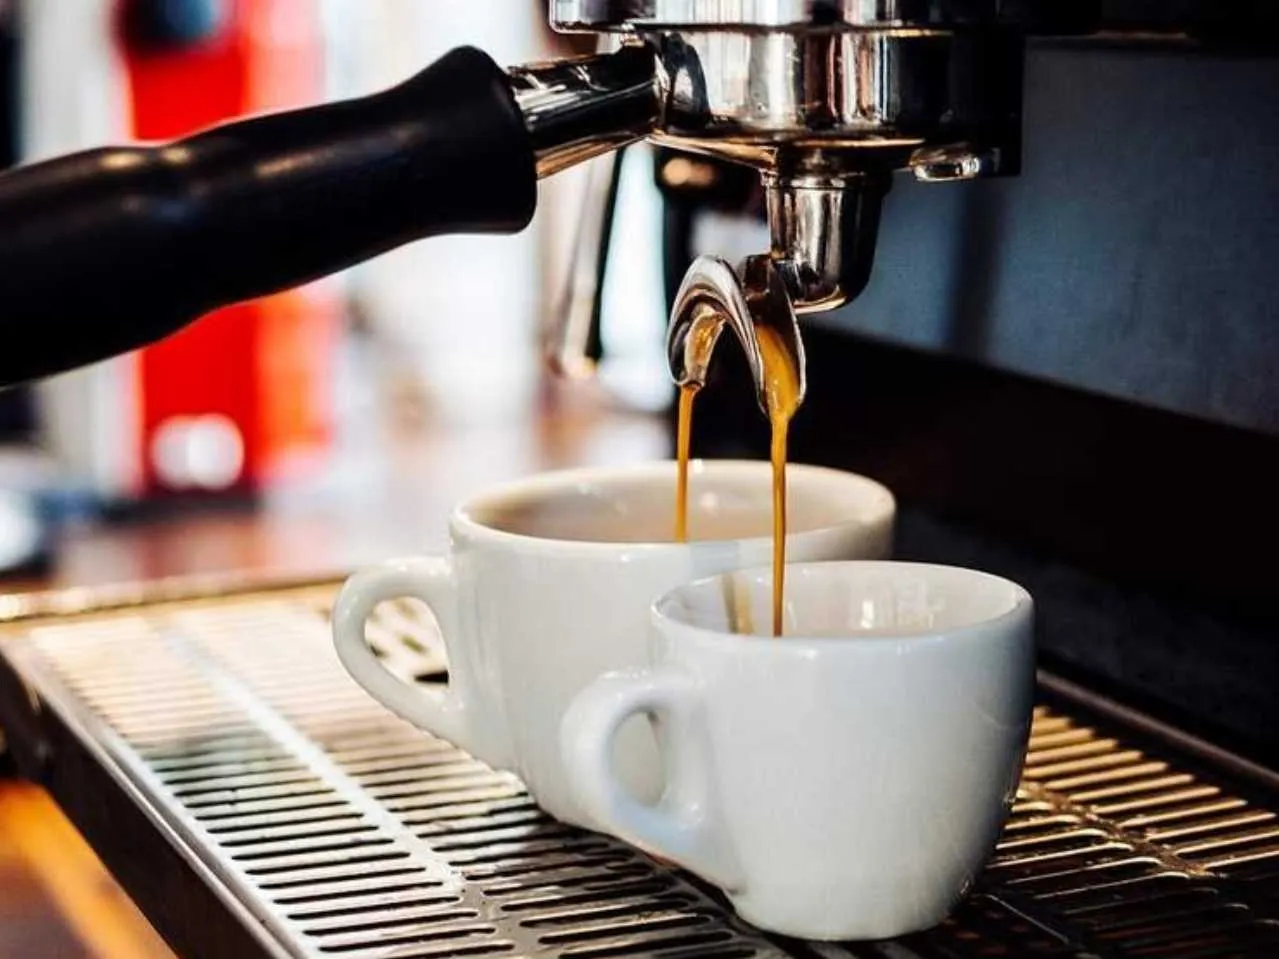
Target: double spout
[751, 302]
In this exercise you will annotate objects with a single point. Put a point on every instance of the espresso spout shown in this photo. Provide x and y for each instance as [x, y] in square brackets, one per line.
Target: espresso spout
[713, 297]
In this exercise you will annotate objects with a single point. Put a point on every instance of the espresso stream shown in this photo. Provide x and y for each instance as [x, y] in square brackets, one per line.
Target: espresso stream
[781, 397]
[684, 438]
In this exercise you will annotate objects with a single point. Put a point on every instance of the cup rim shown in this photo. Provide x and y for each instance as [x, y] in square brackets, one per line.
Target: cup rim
[880, 503]
[797, 643]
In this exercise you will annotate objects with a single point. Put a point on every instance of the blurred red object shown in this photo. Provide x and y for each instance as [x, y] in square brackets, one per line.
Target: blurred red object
[242, 399]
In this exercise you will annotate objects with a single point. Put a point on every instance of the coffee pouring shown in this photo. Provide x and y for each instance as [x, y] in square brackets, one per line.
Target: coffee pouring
[107, 250]
[753, 303]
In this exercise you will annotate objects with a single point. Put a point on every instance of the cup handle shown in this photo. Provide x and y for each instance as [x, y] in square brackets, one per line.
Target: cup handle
[684, 825]
[429, 579]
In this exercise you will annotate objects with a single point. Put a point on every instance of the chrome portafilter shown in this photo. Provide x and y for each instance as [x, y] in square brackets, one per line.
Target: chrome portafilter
[108, 249]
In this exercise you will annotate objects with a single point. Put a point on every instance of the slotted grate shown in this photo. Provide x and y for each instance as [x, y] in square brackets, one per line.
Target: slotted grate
[341, 831]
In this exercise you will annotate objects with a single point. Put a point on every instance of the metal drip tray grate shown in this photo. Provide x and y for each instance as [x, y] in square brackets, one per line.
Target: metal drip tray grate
[256, 801]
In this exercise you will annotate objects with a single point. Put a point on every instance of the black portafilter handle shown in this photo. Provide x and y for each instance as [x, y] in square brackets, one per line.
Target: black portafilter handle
[108, 250]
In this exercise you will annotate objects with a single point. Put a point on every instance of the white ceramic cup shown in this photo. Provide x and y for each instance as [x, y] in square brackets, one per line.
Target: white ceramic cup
[846, 781]
[549, 583]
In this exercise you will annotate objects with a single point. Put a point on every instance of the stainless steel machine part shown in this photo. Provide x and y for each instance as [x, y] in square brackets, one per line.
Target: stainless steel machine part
[255, 802]
[584, 107]
[576, 321]
[823, 235]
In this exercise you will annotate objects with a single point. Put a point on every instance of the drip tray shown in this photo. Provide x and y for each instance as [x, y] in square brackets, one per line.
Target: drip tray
[256, 802]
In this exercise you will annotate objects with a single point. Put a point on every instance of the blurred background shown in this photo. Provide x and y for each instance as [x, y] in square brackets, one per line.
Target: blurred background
[333, 424]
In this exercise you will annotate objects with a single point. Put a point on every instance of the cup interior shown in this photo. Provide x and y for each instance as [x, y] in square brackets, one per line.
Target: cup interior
[728, 500]
[854, 599]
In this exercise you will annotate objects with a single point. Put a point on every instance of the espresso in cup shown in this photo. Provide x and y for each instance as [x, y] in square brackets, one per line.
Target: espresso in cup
[631, 509]
[548, 584]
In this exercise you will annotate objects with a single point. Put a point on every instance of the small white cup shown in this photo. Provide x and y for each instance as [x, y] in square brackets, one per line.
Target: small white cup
[846, 781]
[549, 583]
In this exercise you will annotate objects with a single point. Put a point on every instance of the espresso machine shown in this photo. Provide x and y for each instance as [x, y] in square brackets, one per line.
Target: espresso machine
[1027, 248]
[825, 100]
